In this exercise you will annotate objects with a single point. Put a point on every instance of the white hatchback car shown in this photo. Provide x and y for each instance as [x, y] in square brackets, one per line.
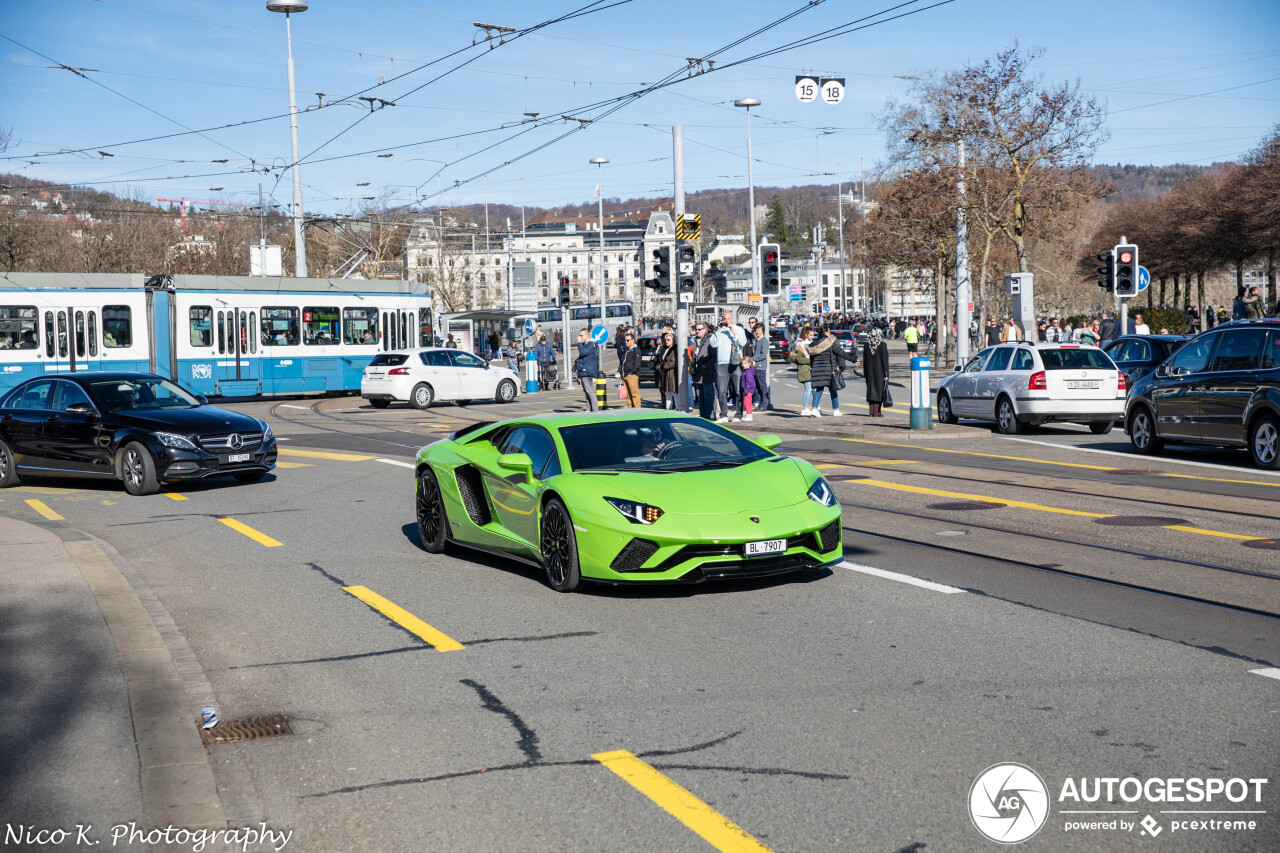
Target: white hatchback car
[425, 376]
[1021, 383]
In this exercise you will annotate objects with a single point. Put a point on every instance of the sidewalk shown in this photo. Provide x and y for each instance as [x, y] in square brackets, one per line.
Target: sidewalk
[96, 728]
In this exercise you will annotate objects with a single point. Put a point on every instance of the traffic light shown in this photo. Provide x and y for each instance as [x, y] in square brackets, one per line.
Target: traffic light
[1107, 272]
[770, 269]
[720, 285]
[1126, 265]
[686, 259]
[662, 269]
[564, 291]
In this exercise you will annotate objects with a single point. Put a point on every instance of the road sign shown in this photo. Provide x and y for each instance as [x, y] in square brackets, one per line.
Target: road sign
[754, 297]
[600, 335]
[529, 326]
[689, 227]
[686, 297]
[806, 88]
[1144, 279]
[833, 90]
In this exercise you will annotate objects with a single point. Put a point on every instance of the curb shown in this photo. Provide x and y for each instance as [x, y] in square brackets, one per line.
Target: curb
[178, 787]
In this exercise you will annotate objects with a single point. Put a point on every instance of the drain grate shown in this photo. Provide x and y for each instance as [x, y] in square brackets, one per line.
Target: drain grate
[1264, 544]
[964, 506]
[1139, 521]
[249, 728]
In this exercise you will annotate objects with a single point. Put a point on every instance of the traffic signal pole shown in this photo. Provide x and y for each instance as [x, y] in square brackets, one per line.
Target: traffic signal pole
[682, 308]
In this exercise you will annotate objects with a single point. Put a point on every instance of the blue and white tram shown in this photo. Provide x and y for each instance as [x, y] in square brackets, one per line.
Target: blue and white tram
[228, 336]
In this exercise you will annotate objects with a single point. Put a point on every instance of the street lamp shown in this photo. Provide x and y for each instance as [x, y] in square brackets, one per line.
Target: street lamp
[599, 163]
[289, 7]
[748, 103]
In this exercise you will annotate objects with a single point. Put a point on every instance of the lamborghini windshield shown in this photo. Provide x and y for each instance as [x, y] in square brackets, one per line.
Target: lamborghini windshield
[675, 444]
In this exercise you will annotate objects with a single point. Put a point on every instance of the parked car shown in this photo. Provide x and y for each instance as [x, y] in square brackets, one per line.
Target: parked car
[425, 376]
[1138, 355]
[134, 427]
[779, 345]
[1221, 388]
[648, 343]
[1022, 383]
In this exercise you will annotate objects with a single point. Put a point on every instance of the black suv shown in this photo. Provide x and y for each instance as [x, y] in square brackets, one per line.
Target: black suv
[779, 345]
[1222, 387]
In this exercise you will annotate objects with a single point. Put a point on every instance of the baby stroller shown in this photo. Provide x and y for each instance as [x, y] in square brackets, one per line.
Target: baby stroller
[548, 376]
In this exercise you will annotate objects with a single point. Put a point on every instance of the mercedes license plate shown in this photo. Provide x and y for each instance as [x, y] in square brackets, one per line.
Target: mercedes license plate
[238, 457]
[768, 546]
[1084, 383]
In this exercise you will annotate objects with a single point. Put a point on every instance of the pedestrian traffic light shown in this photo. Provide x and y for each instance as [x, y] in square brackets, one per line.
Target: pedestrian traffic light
[564, 291]
[1107, 272]
[770, 269]
[1126, 266]
[662, 269]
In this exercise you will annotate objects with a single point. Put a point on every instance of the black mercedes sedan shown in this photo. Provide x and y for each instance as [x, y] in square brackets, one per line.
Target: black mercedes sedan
[134, 427]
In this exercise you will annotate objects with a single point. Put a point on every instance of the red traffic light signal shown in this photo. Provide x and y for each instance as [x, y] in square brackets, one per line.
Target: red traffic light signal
[770, 256]
[1126, 257]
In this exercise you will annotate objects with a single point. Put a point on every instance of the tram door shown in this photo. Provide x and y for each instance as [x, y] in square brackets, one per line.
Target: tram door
[84, 338]
[237, 341]
[58, 355]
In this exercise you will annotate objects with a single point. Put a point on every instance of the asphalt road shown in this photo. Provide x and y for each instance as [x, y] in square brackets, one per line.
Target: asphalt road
[994, 608]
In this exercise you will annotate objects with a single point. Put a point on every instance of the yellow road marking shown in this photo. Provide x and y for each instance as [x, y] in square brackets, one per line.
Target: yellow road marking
[1186, 529]
[175, 496]
[826, 465]
[442, 642]
[316, 454]
[986, 455]
[40, 507]
[940, 493]
[294, 465]
[260, 538]
[716, 829]
[1274, 485]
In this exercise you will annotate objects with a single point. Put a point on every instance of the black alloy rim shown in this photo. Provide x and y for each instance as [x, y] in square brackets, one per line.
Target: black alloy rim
[430, 509]
[133, 468]
[555, 544]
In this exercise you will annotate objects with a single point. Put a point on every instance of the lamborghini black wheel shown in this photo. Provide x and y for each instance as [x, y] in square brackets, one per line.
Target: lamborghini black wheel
[433, 523]
[559, 548]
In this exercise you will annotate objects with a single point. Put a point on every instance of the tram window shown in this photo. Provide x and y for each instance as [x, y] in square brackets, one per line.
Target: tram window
[231, 333]
[243, 317]
[222, 334]
[386, 333]
[280, 326]
[404, 329]
[117, 326]
[62, 334]
[79, 334]
[253, 324]
[424, 327]
[360, 325]
[320, 325]
[48, 334]
[93, 334]
[18, 327]
[201, 326]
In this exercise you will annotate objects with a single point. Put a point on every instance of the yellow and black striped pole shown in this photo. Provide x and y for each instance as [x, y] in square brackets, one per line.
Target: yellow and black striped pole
[602, 392]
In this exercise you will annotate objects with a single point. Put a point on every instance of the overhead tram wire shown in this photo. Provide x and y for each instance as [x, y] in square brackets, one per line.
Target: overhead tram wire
[79, 73]
[619, 102]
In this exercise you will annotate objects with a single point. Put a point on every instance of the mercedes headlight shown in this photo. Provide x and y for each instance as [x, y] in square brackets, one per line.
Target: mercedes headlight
[820, 492]
[636, 513]
[266, 431]
[172, 439]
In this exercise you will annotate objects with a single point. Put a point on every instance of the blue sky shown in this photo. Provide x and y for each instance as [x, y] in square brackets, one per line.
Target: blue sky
[210, 63]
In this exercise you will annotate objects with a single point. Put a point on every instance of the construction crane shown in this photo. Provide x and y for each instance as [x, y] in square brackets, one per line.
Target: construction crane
[184, 203]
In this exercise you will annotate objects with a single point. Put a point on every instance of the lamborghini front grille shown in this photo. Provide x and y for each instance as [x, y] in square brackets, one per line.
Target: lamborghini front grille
[829, 536]
[634, 555]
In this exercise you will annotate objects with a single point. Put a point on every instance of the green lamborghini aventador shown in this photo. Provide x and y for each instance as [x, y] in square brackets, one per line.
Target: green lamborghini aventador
[624, 497]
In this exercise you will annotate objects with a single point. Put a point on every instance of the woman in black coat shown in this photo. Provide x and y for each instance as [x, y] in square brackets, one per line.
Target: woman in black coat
[664, 370]
[875, 361]
[826, 355]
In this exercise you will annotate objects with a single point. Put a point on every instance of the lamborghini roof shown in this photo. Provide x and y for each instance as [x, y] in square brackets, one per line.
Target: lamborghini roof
[567, 419]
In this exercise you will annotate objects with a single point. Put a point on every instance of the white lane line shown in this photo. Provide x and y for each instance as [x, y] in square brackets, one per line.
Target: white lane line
[1268, 672]
[894, 576]
[290, 406]
[1241, 469]
[396, 462]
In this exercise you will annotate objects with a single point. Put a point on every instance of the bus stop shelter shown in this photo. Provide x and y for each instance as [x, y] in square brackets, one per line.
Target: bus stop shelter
[471, 329]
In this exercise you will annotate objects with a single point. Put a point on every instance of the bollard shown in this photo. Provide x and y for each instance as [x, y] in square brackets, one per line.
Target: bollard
[602, 392]
[921, 406]
[530, 372]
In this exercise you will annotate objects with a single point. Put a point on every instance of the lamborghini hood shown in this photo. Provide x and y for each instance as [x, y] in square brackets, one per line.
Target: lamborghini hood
[761, 485]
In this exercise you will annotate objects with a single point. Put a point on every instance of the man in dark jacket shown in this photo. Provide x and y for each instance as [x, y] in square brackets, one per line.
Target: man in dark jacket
[1107, 330]
[703, 374]
[546, 355]
[588, 367]
[1254, 307]
[629, 370]
[759, 352]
